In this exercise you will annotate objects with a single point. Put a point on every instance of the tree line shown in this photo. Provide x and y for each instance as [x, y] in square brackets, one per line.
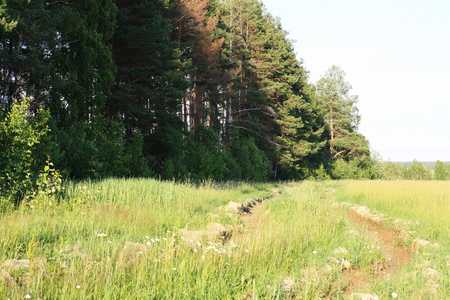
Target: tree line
[169, 88]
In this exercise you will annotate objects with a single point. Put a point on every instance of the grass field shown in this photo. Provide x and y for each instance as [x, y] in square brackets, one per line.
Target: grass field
[146, 239]
[424, 207]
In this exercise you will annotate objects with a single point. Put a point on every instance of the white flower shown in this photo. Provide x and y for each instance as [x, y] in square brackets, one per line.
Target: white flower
[165, 239]
[168, 231]
[157, 240]
[195, 250]
[148, 243]
[314, 252]
[199, 244]
[152, 240]
[394, 295]
[110, 242]
[146, 237]
[27, 297]
[78, 287]
[174, 269]
[246, 250]
[101, 234]
[203, 256]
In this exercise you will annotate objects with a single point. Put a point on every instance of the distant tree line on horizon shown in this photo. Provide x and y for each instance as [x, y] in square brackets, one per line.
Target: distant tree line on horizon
[176, 89]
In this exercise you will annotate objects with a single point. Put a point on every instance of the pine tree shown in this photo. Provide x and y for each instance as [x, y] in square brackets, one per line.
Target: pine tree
[341, 116]
[58, 56]
[195, 33]
[149, 80]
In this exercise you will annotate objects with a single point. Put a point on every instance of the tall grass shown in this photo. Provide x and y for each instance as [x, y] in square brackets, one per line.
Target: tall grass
[427, 202]
[121, 239]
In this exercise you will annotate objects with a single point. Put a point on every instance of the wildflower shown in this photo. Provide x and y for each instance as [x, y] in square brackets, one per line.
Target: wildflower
[110, 242]
[246, 250]
[394, 295]
[174, 269]
[165, 239]
[195, 250]
[146, 237]
[78, 287]
[157, 239]
[27, 296]
[203, 256]
[168, 231]
[101, 234]
[148, 243]
[199, 244]
[314, 252]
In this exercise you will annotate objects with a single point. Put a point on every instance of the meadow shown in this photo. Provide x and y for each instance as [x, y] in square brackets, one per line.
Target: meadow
[150, 239]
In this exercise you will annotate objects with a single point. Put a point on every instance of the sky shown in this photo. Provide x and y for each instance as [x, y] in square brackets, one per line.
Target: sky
[396, 56]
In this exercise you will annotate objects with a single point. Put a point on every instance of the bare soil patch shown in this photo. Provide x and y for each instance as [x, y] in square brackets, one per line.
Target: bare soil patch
[255, 215]
[390, 244]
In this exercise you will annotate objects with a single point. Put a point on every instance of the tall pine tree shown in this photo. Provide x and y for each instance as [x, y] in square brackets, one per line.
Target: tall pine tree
[150, 80]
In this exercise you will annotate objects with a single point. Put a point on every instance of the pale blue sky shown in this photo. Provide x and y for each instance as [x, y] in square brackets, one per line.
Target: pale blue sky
[396, 54]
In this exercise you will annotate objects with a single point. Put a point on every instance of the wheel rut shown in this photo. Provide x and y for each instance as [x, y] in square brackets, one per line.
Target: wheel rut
[390, 243]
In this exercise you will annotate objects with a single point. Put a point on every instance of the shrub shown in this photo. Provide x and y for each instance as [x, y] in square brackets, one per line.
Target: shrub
[20, 131]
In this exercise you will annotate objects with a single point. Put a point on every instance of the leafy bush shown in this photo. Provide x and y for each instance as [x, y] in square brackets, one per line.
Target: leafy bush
[253, 163]
[21, 130]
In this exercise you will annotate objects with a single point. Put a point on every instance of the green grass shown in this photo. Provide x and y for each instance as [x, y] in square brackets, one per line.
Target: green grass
[426, 202]
[123, 239]
[425, 205]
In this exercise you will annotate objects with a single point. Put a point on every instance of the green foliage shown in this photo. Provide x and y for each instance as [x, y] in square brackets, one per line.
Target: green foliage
[134, 158]
[253, 163]
[20, 131]
[177, 89]
[97, 149]
[341, 116]
[415, 171]
[149, 79]
[204, 157]
[49, 186]
[354, 169]
[440, 172]
[5, 21]
[418, 171]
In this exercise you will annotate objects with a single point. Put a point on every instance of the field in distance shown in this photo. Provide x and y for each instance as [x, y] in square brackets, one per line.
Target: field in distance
[147, 239]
